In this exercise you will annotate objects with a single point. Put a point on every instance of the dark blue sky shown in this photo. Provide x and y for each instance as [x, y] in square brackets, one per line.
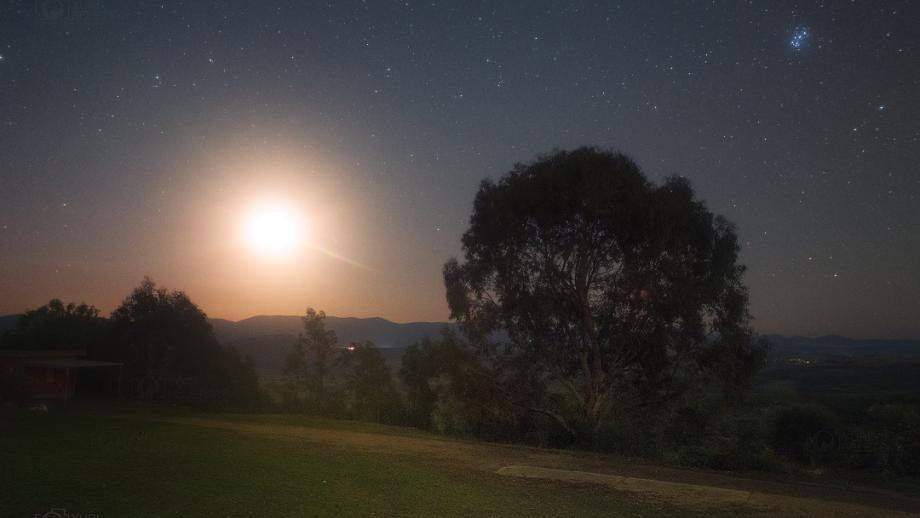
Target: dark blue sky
[130, 131]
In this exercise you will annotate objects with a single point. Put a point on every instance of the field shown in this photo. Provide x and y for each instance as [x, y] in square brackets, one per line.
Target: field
[165, 463]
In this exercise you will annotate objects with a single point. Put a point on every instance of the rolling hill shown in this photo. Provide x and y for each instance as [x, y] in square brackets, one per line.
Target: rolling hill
[382, 332]
[268, 338]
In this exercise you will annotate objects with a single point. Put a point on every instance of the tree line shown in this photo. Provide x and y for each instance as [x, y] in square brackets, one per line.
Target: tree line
[164, 342]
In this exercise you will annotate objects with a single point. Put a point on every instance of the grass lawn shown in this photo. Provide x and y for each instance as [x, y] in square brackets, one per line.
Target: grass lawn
[114, 466]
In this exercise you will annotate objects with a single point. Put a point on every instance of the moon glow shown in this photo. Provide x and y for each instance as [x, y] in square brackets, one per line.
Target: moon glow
[274, 230]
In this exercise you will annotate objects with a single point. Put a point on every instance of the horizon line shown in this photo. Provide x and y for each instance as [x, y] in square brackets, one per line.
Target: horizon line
[448, 322]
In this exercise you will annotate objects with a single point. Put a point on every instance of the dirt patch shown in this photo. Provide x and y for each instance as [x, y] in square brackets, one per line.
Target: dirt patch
[705, 497]
[674, 492]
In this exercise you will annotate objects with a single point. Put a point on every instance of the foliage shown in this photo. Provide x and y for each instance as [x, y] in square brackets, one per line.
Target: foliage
[309, 364]
[163, 332]
[804, 432]
[229, 383]
[294, 390]
[370, 391]
[419, 372]
[170, 352]
[722, 438]
[614, 293]
[461, 395]
[58, 326]
[467, 399]
[890, 440]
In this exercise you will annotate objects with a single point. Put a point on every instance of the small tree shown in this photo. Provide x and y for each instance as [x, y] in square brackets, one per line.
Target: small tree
[592, 291]
[420, 367]
[170, 352]
[163, 333]
[369, 384]
[296, 368]
[309, 362]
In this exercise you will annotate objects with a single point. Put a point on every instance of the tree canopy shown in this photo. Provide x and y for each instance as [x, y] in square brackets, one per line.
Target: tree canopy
[309, 363]
[163, 331]
[593, 290]
[58, 326]
[170, 352]
[369, 384]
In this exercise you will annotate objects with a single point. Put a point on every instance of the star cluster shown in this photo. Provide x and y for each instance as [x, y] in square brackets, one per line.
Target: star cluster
[799, 38]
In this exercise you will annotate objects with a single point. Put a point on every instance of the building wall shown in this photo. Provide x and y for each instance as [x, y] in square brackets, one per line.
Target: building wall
[46, 383]
[50, 383]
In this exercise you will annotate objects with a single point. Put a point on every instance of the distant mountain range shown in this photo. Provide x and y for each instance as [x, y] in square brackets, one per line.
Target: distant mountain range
[382, 332]
[832, 345]
[268, 338]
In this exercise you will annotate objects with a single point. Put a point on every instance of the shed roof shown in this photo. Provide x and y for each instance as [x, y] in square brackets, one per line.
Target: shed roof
[43, 353]
[71, 364]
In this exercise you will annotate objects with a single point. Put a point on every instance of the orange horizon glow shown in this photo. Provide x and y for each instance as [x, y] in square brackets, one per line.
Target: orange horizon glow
[247, 227]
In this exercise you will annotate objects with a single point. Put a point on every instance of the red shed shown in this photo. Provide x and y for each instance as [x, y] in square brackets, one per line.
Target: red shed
[52, 375]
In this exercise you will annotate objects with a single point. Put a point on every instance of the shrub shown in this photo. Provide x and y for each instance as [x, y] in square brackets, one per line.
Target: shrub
[734, 443]
[448, 417]
[893, 438]
[803, 432]
[699, 432]
[633, 436]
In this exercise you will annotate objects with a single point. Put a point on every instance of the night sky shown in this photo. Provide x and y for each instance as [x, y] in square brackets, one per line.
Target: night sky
[134, 137]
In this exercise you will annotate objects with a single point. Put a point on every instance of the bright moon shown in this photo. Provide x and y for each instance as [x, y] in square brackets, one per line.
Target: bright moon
[274, 230]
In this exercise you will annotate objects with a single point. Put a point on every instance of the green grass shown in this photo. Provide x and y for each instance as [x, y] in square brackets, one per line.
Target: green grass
[115, 466]
[344, 425]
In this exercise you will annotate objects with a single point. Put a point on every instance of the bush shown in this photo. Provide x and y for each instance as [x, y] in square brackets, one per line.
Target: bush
[419, 369]
[639, 434]
[734, 443]
[804, 432]
[448, 417]
[891, 439]
[698, 432]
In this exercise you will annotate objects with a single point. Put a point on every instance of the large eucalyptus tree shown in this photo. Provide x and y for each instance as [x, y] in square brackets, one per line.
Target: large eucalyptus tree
[590, 289]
